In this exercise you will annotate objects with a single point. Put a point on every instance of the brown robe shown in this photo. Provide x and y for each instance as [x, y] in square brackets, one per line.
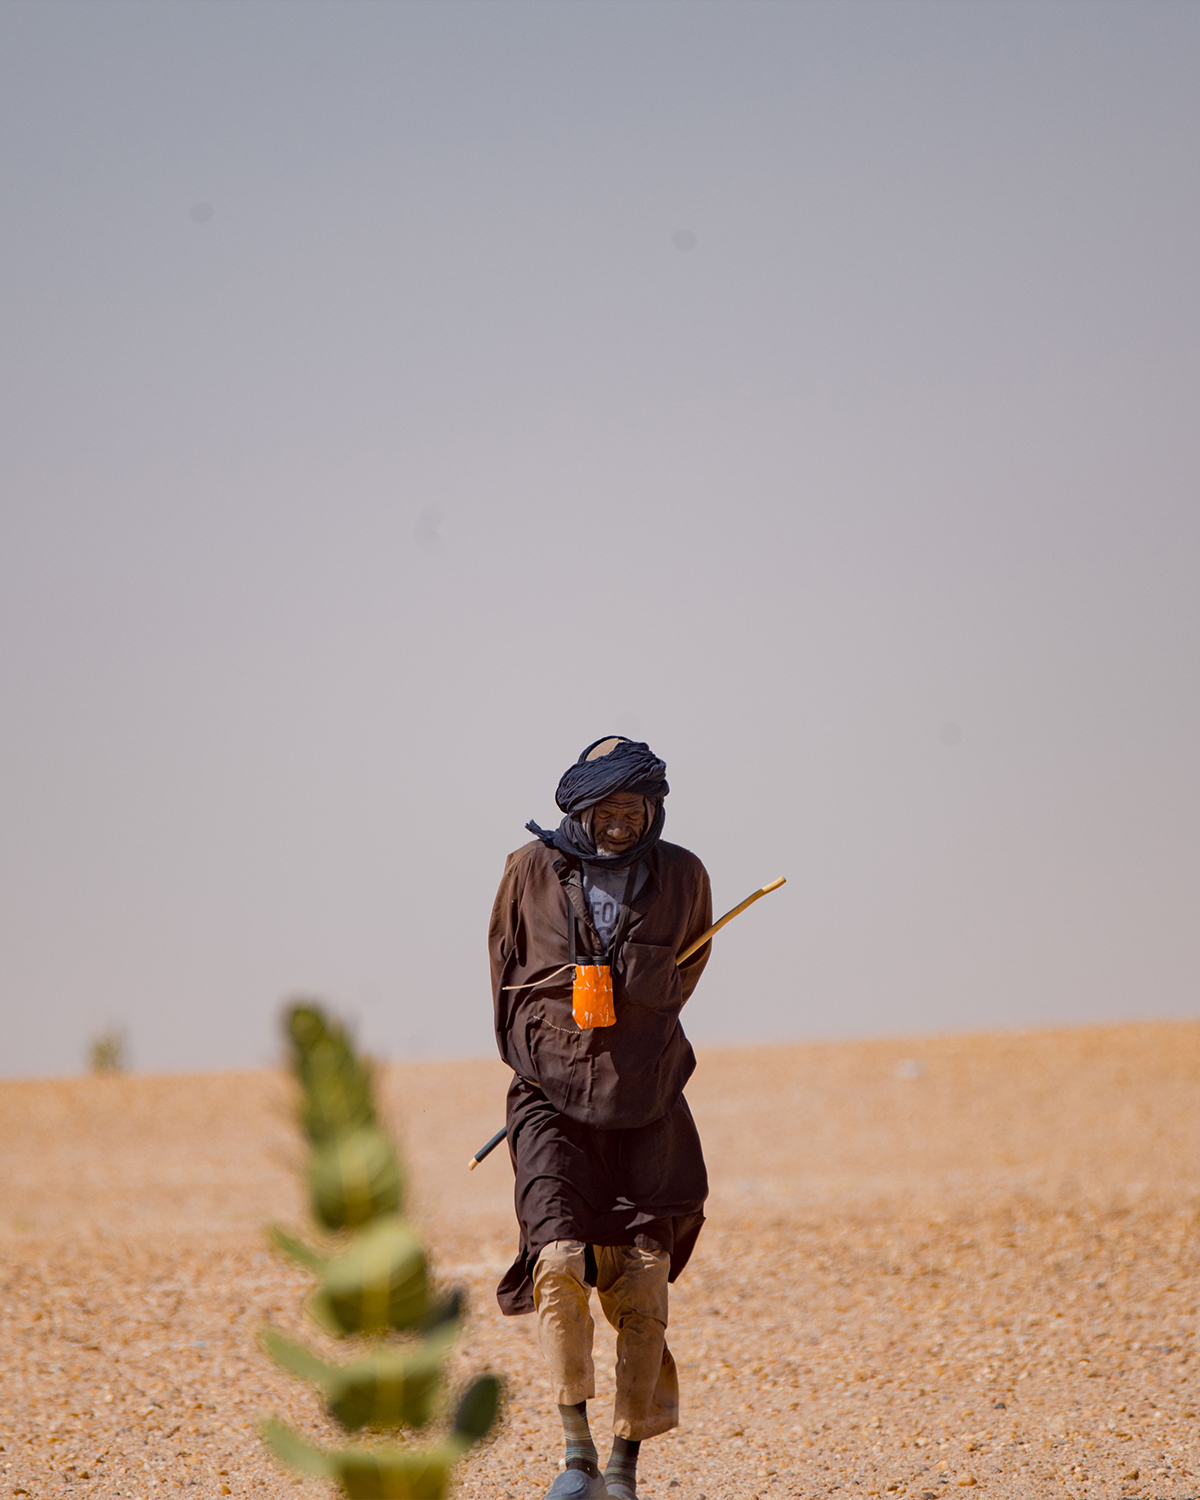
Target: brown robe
[601, 1138]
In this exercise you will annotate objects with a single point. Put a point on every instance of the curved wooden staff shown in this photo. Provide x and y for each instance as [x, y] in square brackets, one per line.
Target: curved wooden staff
[728, 917]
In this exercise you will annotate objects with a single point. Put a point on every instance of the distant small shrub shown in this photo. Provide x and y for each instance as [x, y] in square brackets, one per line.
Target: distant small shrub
[108, 1052]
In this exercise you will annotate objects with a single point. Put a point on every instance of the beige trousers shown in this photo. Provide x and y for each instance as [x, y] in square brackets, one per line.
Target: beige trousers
[632, 1285]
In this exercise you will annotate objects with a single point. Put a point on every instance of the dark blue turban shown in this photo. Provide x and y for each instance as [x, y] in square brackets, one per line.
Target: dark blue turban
[630, 766]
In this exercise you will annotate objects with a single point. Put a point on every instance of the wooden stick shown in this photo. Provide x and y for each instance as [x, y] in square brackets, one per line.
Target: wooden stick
[728, 917]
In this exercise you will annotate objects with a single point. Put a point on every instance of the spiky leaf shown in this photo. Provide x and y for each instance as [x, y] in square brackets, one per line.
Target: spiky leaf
[393, 1474]
[337, 1094]
[380, 1283]
[290, 1448]
[296, 1250]
[389, 1388]
[368, 1474]
[353, 1178]
[477, 1410]
[297, 1359]
[305, 1025]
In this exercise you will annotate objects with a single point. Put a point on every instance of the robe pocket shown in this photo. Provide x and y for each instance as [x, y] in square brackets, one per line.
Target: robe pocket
[554, 1051]
[649, 976]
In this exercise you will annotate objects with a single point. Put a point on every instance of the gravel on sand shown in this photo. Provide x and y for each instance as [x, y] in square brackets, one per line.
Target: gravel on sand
[930, 1265]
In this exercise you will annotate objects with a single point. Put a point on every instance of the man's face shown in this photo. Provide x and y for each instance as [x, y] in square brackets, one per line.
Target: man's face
[618, 822]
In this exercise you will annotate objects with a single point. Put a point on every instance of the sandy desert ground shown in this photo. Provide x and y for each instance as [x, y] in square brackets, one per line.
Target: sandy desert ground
[930, 1264]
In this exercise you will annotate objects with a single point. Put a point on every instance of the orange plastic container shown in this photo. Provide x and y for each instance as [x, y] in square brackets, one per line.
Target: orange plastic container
[592, 997]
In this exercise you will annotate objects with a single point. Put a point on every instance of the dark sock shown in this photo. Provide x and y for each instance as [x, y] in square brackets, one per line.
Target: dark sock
[622, 1462]
[581, 1451]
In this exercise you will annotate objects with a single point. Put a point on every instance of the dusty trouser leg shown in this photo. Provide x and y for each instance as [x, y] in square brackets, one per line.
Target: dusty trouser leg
[564, 1320]
[632, 1284]
[565, 1328]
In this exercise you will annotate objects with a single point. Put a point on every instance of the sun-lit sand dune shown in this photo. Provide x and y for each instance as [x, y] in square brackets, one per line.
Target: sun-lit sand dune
[929, 1264]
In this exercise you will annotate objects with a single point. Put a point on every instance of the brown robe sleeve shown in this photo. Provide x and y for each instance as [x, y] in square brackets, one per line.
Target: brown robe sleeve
[699, 920]
[506, 919]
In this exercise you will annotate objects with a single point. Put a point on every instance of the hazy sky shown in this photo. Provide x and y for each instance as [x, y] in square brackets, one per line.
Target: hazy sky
[396, 397]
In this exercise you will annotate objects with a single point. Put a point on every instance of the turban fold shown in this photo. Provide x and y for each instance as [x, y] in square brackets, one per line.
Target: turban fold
[629, 766]
[610, 764]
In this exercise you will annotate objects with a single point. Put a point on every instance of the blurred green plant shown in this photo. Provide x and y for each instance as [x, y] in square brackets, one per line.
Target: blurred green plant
[372, 1281]
[109, 1052]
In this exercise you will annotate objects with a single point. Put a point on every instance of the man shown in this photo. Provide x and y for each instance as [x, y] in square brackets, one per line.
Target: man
[610, 1177]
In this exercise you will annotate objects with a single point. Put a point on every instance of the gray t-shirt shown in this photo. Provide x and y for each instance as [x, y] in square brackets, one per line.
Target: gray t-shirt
[604, 888]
